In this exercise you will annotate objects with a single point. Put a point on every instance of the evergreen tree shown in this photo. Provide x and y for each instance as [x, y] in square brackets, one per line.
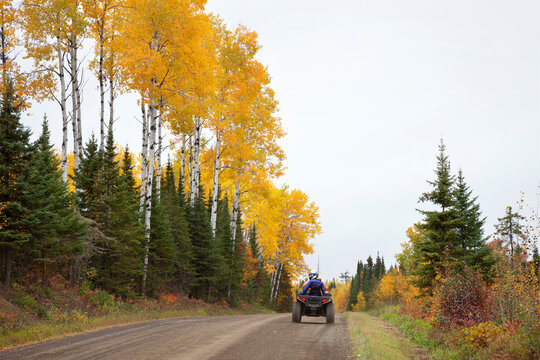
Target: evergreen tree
[510, 228]
[89, 181]
[206, 260]
[163, 261]
[175, 211]
[15, 154]
[285, 299]
[440, 241]
[379, 269]
[126, 251]
[254, 246]
[472, 247]
[59, 234]
[367, 275]
[225, 246]
[355, 285]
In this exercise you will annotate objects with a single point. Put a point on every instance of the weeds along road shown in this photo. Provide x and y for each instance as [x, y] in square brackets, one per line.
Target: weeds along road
[265, 337]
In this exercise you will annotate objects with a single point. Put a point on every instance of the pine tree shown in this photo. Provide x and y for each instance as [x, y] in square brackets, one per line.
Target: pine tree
[439, 244]
[59, 234]
[15, 154]
[472, 249]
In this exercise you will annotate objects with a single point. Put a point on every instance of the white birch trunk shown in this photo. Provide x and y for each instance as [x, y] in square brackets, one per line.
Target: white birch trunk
[183, 162]
[190, 164]
[148, 207]
[277, 281]
[235, 210]
[75, 102]
[78, 100]
[101, 95]
[63, 108]
[144, 156]
[215, 189]
[111, 102]
[159, 149]
[194, 188]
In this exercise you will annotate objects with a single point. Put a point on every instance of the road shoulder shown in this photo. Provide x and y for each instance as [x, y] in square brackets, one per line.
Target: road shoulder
[374, 338]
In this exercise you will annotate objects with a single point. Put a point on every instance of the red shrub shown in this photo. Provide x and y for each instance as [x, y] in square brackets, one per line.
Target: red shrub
[461, 299]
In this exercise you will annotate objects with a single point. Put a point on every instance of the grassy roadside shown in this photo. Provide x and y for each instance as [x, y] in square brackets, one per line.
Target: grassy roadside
[375, 339]
[439, 345]
[47, 330]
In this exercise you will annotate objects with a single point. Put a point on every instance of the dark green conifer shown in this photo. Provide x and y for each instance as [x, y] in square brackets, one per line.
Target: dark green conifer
[15, 154]
[163, 260]
[438, 246]
[89, 182]
[59, 234]
[472, 249]
[206, 259]
[124, 226]
[175, 211]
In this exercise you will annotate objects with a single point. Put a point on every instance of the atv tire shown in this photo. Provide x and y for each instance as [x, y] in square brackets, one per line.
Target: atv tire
[330, 313]
[297, 312]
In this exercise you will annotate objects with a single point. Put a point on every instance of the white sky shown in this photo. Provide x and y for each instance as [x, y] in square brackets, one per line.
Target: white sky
[367, 89]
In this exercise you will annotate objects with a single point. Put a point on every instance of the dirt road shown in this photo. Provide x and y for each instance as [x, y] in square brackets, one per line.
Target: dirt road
[222, 337]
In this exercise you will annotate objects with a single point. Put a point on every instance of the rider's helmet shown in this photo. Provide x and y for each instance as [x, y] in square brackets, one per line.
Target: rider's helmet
[313, 275]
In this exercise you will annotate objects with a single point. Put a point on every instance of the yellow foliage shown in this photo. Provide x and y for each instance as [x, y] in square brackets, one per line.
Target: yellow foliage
[341, 296]
[360, 302]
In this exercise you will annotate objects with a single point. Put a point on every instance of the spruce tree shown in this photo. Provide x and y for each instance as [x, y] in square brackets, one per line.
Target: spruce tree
[124, 226]
[472, 249]
[89, 181]
[163, 261]
[59, 234]
[439, 244]
[176, 216]
[206, 260]
[367, 275]
[355, 285]
[225, 246]
[15, 154]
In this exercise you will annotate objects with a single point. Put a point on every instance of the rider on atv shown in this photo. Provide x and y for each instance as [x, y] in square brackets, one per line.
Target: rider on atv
[314, 286]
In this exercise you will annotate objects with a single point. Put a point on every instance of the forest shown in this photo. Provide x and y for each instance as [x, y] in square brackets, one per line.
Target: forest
[453, 289]
[116, 222]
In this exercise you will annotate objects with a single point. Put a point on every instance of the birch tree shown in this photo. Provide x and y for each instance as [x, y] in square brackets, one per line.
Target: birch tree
[157, 53]
[101, 15]
[45, 24]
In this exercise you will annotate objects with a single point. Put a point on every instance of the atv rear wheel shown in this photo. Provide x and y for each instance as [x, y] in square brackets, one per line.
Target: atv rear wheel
[330, 313]
[297, 312]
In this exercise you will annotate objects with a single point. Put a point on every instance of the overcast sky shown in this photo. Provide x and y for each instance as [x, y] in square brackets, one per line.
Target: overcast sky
[366, 91]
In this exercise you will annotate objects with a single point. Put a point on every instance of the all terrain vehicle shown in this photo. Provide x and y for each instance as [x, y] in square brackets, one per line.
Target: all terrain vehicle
[309, 305]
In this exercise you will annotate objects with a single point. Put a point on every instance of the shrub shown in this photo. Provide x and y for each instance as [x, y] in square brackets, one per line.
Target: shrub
[482, 334]
[25, 301]
[102, 299]
[461, 299]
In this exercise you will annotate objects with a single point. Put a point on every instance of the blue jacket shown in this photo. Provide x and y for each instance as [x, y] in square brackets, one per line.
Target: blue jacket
[315, 287]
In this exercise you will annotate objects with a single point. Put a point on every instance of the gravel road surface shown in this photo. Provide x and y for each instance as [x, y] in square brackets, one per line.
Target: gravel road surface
[222, 337]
